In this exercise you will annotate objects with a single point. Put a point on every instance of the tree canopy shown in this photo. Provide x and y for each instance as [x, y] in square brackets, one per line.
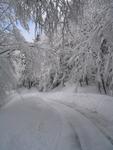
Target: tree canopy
[75, 43]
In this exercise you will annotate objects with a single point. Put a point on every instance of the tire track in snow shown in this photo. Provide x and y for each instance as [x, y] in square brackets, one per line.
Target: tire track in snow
[58, 136]
[103, 137]
[69, 139]
[95, 120]
[76, 136]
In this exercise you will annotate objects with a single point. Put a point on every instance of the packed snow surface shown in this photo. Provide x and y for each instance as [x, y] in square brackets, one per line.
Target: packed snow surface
[59, 120]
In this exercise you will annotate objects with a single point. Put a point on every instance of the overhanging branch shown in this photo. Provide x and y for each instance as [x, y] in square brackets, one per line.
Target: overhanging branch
[8, 50]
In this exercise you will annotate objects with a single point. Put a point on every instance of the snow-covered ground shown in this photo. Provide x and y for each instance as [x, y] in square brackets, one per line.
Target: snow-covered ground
[58, 120]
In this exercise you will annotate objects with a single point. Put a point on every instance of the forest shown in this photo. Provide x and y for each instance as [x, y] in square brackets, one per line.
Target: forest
[56, 74]
[73, 43]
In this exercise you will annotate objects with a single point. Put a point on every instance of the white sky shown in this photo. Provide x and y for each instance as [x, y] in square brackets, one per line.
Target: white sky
[29, 36]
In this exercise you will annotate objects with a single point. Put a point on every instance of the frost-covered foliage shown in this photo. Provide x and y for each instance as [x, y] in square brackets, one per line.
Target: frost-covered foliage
[77, 45]
[83, 52]
[9, 42]
[48, 14]
[6, 74]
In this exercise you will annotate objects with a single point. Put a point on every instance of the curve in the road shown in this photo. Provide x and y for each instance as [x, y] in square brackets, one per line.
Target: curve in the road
[90, 136]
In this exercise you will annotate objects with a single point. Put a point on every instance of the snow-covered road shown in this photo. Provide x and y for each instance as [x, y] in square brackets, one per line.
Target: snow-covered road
[33, 123]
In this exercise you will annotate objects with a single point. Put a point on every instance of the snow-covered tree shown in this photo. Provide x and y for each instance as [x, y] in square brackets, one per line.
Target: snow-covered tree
[80, 35]
[78, 45]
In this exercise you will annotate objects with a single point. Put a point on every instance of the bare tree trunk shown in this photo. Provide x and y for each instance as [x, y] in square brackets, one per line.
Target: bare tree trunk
[103, 85]
[80, 81]
[99, 86]
[86, 79]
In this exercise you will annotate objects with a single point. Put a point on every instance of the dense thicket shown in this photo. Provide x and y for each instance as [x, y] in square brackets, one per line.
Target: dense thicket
[81, 42]
[10, 42]
[77, 44]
